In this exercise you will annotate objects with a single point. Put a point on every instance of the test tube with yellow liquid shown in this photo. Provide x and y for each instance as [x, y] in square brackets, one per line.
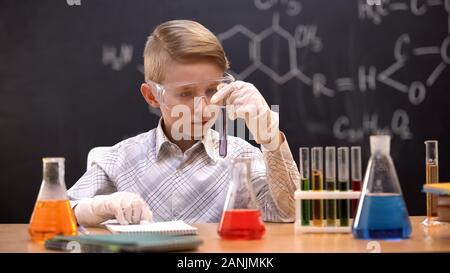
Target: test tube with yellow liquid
[317, 184]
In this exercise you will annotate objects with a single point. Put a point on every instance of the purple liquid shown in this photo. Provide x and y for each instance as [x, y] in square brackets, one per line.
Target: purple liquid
[223, 134]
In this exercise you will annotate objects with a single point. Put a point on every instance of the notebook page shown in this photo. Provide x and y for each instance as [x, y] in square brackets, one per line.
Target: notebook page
[178, 227]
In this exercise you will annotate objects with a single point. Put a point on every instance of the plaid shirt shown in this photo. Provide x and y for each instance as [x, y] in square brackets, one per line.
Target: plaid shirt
[190, 186]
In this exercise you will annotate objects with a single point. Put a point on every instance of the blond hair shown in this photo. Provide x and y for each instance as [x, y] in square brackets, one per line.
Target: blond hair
[181, 41]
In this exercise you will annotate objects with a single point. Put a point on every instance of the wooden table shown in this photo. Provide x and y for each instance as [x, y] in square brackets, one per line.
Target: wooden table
[278, 238]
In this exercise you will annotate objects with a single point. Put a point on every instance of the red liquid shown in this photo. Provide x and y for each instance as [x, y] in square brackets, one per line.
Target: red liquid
[356, 186]
[241, 224]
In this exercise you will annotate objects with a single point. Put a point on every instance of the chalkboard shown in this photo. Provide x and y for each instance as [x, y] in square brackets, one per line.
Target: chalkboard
[340, 71]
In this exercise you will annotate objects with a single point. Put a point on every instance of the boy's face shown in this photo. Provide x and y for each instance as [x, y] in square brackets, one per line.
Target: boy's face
[184, 104]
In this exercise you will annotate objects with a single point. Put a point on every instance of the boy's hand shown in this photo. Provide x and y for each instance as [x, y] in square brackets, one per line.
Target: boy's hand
[126, 207]
[247, 103]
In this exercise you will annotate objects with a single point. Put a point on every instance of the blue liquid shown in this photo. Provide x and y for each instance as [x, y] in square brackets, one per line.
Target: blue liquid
[383, 216]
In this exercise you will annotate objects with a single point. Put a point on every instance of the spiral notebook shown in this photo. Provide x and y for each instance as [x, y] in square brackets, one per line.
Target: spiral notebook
[126, 242]
[172, 227]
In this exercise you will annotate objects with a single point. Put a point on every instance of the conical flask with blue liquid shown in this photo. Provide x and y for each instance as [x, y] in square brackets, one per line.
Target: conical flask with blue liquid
[382, 213]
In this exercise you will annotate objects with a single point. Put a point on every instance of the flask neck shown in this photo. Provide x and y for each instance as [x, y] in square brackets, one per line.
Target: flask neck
[380, 144]
[53, 172]
[53, 185]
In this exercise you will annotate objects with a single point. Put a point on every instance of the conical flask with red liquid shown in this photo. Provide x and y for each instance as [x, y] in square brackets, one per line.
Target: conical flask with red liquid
[241, 218]
[52, 214]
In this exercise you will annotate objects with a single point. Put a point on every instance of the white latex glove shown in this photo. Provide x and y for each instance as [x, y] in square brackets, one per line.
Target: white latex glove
[126, 207]
[244, 101]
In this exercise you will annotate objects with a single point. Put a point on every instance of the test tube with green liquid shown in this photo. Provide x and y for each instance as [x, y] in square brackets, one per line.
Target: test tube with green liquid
[305, 184]
[343, 178]
[330, 184]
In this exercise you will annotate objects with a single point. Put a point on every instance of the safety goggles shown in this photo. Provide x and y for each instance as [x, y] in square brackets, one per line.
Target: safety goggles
[189, 94]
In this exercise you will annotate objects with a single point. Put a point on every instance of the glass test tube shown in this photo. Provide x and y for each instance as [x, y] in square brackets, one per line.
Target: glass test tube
[356, 176]
[317, 184]
[343, 177]
[432, 176]
[223, 133]
[305, 185]
[330, 184]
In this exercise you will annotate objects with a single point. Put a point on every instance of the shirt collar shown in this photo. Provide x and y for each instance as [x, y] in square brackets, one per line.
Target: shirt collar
[210, 142]
[161, 138]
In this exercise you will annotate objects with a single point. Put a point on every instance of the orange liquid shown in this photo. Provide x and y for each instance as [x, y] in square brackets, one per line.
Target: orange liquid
[432, 176]
[241, 224]
[51, 218]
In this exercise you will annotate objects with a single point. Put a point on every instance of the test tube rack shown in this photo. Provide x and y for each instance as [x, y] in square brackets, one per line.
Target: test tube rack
[321, 195]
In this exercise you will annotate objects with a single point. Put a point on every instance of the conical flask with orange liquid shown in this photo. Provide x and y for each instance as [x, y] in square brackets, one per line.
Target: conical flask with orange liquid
[241, 218]
[52, 214]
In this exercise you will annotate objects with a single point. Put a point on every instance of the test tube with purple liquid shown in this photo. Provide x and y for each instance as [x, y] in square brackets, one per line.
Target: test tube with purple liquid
[223, 133]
